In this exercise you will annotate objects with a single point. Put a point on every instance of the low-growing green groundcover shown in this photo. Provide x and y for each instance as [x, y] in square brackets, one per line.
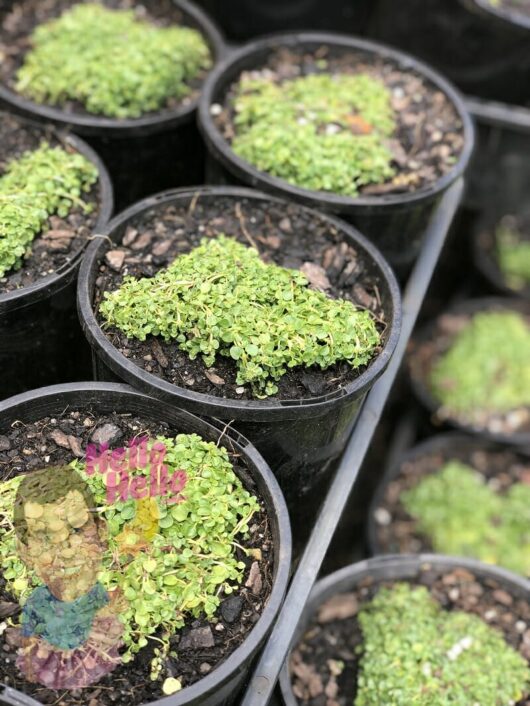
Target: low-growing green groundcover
[513, 253]
[462, 515]
[486, 369]
[222, 299]
[414, 652]
[40, 183]
[187, 562]
[427, 643]
[322, 132]
[111, 62]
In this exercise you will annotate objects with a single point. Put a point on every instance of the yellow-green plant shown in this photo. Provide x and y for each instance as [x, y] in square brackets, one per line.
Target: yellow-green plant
[414, 652]
[111, 62]
[461, 515]
[39, 184]
[487, 367]
[322, 132]
[188, 562]
[222, 299]
[513, 253]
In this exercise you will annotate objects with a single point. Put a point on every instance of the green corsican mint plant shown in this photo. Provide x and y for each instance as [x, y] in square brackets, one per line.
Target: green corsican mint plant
[321, 132]
[111, 62]
[513, 254]
[463, 516]
[414, 652]
[183, 568]
[41, 183]
[487, 367]
[222, 299]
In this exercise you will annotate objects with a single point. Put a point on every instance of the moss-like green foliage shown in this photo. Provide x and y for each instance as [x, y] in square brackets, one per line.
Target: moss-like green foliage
[513, 254]
[463, 516]
[221, 298]
[190, 559]
[321, 132]
[414, 652]
[111, 62]
[34, 187]
[487, 368]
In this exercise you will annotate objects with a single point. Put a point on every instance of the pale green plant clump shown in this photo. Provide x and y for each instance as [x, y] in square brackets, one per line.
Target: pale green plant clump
[111, 62]
[321, 132]
[513, 254]
[462, 516]
[222, 299]
[414, 652]
[487, 367]
[189, 562]
[39, 184]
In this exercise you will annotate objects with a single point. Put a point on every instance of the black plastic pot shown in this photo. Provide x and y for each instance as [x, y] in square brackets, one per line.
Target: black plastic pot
[447, 446]
[502, 17]
[394, 568]
[221, 685]
[298, 438]
[246, 19]
[395, 223]
[144, 155]
[41, 342]
[482, 58]
[421, 388]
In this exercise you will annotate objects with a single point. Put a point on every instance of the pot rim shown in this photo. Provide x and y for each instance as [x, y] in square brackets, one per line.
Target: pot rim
[204, 403]
[236, 61]
[275, 504]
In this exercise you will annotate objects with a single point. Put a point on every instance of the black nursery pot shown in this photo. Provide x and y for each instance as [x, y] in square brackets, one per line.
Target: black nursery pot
[501, 17]
[147, 154]
[481, 57]
[221, 685]
[245, 19]
[41, 342]
[394, 222]
[298, 438]
[447, 447]
[421, 389]
[395, 568]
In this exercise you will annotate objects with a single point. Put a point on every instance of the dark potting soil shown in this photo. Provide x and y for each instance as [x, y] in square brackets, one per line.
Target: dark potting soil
[334, 633]
[397, 531]
[429, 137]
[59, 440]
[285, 235]
[18, 23]
[424, 354]
[63, 238]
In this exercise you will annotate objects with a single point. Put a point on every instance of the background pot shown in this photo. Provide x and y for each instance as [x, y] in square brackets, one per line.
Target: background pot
[41, 342]
[145, 154]
[298, 438]
[501, 17]
[448, 446]
[480, 57]
[221, 685]
[422, 390]
[395, 222]
[246, 19]
[394, 568]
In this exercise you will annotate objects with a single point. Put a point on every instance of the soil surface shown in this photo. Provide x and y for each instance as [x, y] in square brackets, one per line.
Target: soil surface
[429, 136]
[334, 633]
[285, 235]
[424, 353]
[487, 244]
[18, 23]
[54, 441]
[396, 530]
[62, 239]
